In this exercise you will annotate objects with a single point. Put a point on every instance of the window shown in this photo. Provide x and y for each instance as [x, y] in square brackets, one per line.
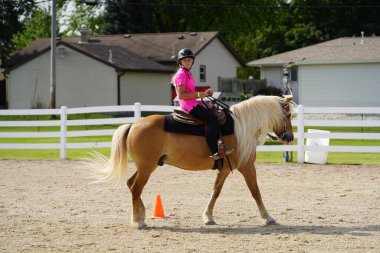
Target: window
[202, 73]
[294, 74]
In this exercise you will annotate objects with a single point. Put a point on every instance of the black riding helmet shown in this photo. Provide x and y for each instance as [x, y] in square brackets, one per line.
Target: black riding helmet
[184, 53]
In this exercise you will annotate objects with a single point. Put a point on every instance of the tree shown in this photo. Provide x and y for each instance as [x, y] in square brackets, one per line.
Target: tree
[36, 27]
[300, 23]
[255, 28]
[125, 16]
[338, 18]
[12, 13]
[75, 14]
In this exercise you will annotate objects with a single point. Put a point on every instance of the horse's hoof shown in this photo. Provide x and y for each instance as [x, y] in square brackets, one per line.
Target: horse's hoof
[210, 222]
[141, 225]
[271, 222]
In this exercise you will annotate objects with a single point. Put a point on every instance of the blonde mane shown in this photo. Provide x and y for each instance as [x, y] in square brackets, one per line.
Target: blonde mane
[254, 118]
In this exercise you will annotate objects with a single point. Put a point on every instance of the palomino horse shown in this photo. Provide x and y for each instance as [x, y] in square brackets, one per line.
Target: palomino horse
[148, 144]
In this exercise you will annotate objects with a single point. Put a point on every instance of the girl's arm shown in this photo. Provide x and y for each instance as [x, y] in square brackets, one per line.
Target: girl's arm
[184, 95]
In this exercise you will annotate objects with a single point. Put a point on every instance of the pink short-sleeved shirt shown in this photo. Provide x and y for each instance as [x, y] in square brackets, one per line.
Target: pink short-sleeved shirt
[184, 77]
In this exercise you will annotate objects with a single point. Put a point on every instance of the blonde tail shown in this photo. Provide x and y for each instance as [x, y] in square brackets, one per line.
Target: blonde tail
[115, 167]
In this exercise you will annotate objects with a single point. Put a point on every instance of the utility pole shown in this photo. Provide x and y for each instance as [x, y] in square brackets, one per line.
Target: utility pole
[53, 47]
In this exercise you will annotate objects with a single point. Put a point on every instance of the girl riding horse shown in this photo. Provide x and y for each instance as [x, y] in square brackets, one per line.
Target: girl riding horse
[185, 87]
[149, 145]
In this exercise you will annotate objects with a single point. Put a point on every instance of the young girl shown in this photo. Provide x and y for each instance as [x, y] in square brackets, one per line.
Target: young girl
[185, 87]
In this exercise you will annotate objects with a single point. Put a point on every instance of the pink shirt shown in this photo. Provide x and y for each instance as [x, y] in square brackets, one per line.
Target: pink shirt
[184, 77]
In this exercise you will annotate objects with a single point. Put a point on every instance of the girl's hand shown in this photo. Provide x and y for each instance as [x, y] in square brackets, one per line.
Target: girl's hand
[209, 92]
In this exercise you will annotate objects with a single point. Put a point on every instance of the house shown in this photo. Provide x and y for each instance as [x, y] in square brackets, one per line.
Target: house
[343, 72]
[115, 69]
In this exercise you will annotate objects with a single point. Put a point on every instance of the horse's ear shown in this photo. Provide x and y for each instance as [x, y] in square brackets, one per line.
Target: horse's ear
[288, 98]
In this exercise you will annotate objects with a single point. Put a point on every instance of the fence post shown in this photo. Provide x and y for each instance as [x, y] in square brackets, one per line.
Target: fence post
[63, 133]
[137, 112]
[300, 130]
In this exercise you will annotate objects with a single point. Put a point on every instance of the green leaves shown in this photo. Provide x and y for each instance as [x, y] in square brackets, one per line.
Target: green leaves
[36, 27]
[76, 14]
[11, 12]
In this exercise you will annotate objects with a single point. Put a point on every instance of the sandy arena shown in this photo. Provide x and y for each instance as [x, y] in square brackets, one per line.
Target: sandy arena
[49, 206]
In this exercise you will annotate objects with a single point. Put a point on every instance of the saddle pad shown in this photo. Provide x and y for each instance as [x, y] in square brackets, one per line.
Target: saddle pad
[170, 125]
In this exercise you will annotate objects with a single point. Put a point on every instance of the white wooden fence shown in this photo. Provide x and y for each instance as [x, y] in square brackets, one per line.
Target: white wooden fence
[300, 122]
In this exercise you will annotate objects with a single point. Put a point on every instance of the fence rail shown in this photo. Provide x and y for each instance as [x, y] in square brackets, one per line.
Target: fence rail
[300, 122]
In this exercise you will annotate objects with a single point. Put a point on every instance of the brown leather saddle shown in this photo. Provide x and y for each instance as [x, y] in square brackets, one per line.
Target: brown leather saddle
[183, 116]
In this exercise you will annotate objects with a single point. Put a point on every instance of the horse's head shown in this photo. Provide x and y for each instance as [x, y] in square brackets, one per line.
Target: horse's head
[284, 132]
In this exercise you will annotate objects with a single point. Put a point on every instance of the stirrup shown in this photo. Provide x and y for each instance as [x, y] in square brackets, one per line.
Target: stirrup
[227, 150]
[215, 156]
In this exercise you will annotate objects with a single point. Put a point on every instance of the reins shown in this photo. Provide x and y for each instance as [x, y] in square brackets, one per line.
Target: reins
[218, 102]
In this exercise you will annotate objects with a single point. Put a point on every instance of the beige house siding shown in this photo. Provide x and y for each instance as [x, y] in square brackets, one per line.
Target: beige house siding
[273, 76]
[340, 85]
[145, 88]
[29, 84]
[83, 81]
[219, 62]
[80, 81]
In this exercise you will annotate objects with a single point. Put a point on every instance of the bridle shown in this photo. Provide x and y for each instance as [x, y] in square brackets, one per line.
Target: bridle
[287, 114]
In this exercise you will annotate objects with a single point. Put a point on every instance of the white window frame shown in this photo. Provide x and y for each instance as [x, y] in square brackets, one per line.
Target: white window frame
[202, 73]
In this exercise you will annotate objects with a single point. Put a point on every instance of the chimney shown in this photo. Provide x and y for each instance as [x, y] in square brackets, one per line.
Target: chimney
[84, 35]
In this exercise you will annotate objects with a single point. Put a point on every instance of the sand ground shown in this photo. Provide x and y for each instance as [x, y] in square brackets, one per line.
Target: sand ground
[50, 206]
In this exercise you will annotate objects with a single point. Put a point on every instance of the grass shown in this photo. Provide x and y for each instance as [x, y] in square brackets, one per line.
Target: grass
[48, 154]
[263, 157]
[73, 154]
[332, 158]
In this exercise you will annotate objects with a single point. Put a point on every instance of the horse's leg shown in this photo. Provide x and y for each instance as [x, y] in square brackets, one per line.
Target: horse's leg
[220, 179]
[249, 174]
[141, 211]
[131, 180]
[136, 185]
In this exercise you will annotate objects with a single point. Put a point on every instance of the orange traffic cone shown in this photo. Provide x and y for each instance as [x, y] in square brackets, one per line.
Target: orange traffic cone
[158, 210]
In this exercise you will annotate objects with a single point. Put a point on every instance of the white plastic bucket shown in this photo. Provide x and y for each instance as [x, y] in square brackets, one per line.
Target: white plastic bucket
[318, 157]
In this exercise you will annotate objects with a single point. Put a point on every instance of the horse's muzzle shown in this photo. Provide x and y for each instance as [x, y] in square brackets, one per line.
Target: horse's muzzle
[288, 137]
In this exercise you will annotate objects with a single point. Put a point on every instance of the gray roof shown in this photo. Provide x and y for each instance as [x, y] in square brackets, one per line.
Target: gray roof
[342, 50]
[159, 46]
[137, 52]
[122, 59]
